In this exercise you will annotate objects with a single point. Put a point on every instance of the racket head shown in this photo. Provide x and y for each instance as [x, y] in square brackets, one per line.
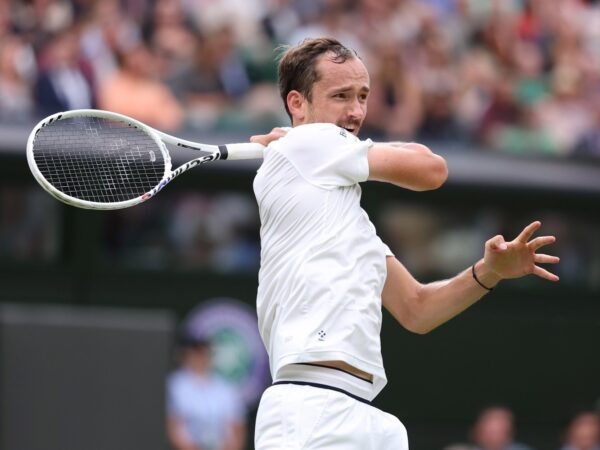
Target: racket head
[97, 159]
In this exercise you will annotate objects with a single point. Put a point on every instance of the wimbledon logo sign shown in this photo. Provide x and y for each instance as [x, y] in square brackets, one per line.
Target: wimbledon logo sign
[239, 354]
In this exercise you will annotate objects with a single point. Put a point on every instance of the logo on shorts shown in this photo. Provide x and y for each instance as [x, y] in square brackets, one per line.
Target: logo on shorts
[322, 335]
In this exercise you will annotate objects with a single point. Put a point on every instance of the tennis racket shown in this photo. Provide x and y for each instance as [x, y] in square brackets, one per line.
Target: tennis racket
[97, 159]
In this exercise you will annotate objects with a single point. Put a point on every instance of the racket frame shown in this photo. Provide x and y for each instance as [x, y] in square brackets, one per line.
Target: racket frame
[214, 152]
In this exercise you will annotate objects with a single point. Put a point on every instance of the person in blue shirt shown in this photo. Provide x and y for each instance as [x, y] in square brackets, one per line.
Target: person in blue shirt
[204, 411]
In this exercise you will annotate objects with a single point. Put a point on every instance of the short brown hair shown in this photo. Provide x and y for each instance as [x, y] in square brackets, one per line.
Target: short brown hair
[297, 70]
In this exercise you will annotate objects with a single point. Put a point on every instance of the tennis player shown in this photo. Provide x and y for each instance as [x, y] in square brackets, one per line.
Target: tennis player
[325, 273]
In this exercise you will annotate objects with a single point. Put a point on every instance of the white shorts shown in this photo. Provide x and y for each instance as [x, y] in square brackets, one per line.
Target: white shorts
[295, 416]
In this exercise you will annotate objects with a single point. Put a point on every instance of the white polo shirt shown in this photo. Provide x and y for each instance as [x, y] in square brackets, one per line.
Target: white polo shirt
[323, 266]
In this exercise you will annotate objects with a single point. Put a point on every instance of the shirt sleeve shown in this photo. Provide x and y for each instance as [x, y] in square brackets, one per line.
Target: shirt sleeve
[326, 155]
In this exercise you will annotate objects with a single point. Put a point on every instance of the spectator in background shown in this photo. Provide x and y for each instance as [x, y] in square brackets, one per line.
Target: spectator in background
[219, 232]
[216, 87]
[583, 432]
[437, 73]
[5, 19]
[331, 18]
[526, 136]
[171, 37]
[395, 101]
[106, 28]
[204, 411]
[17, 69]
[29, 228]
[463, 55]
[498, 33]
[215, 78]
[65, 79]
[399, 22]
[565, 115]
[39, 19]
[502, 110]
[134, 91]
[588, 145]
[477, 81]
[278, 18]
[531, 83]
[494, 429]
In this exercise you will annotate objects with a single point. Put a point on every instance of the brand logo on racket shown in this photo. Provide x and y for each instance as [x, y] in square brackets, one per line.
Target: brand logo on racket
[177, 172]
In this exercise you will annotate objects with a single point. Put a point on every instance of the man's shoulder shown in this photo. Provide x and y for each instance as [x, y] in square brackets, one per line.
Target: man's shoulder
[314, 127]
[318, 134]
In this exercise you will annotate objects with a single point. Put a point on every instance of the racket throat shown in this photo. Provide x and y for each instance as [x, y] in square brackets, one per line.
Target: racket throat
[223, 151]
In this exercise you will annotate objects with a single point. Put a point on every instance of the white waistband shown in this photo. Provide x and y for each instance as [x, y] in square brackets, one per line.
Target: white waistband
[327, 376]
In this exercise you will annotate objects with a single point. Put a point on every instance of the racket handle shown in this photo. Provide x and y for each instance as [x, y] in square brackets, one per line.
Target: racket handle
[244, 150]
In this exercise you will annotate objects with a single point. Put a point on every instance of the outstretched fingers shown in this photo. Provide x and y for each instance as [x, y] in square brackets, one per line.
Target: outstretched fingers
[543, 273]
[528, 231]
[541, 258]
[539, 242]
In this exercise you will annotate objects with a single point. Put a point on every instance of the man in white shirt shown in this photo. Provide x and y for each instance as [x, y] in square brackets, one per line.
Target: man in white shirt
[325, 274]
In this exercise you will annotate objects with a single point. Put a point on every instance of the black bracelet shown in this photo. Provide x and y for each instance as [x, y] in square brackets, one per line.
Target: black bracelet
[476, 279]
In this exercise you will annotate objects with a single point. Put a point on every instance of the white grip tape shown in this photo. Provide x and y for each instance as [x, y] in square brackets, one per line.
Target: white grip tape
[245, 150]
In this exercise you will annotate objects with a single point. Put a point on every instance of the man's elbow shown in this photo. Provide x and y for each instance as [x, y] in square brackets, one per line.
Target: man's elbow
[418, 327]
[415, 319]
[436, 175]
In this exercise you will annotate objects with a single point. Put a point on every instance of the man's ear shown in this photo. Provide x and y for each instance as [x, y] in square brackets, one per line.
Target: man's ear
[296, 104]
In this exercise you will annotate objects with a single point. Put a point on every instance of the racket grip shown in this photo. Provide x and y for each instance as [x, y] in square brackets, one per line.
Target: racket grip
[246, 150]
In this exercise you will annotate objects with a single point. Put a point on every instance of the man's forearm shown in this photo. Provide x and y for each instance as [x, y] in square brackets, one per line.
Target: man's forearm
[443, 300]
[422, 307]
[408, 165]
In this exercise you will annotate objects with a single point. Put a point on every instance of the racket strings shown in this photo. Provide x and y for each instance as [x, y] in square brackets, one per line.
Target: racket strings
[97, 159]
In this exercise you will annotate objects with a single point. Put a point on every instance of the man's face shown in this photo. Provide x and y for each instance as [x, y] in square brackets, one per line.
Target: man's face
[340, 95]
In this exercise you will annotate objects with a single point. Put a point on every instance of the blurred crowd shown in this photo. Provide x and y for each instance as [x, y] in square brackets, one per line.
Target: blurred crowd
[514, 76]
[495, 428]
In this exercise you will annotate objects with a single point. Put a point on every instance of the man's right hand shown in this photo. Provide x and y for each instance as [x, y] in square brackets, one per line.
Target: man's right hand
[266, 139]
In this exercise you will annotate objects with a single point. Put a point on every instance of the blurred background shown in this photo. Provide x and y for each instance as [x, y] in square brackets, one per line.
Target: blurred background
[92, 304]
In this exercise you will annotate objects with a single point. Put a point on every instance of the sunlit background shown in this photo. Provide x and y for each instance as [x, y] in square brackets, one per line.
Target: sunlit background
[508, 91]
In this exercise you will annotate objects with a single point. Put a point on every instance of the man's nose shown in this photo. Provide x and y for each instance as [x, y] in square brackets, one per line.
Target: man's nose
[357, 109]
